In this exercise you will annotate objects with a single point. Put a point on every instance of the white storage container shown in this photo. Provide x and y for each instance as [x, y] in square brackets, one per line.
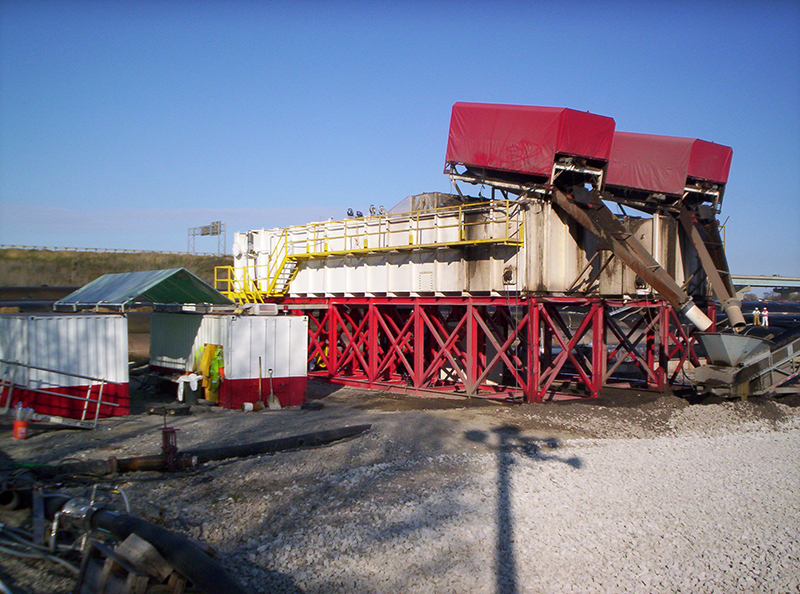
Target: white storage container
[73, 352]
[281, 343]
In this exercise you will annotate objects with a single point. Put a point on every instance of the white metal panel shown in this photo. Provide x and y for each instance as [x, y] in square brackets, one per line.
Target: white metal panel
[281, 342]
[377, 274]
[449, 271]
[335, 276]
[298, 346]
[13, 347]
[12, 337]
[175, 338]
[310, 277]
[399, 274]
[215, 329]
[90, 345]
[355, 273]
[399, 231]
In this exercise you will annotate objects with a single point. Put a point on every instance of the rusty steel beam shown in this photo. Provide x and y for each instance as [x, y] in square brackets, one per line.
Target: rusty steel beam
[599, 220]
[707, 241]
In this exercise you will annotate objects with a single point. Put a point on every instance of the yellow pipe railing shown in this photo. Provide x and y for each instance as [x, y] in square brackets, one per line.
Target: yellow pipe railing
[371, 235]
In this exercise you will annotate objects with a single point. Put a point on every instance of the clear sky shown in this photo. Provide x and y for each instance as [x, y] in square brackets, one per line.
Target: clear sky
[124, 123]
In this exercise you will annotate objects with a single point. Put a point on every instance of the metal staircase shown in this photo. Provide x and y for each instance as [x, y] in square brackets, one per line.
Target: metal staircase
[284, 277]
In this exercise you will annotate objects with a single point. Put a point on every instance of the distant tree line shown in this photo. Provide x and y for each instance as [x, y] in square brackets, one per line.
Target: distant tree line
[773, 296]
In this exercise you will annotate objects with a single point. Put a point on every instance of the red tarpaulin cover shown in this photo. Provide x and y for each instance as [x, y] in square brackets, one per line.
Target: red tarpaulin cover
[523, 138]
[662, 163]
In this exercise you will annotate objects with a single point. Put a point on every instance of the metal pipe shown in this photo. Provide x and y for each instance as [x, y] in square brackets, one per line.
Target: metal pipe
[48, 370]
[192, 458]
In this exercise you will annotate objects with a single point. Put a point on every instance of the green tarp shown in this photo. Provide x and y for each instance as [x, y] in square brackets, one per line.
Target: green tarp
[127, 289]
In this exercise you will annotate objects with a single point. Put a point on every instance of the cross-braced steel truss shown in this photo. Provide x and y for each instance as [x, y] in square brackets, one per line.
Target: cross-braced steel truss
[528, 349]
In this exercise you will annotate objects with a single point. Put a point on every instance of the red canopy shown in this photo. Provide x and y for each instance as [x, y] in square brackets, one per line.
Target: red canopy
[525, 139]
[662, 163]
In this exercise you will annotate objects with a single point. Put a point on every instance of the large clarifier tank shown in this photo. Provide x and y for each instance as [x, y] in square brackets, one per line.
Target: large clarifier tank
[488, 248]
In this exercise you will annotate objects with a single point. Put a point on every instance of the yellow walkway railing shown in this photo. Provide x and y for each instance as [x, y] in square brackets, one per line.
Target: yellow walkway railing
[492, 222]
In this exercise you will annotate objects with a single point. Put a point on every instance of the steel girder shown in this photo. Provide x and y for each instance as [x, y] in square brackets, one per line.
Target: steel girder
[529, 349]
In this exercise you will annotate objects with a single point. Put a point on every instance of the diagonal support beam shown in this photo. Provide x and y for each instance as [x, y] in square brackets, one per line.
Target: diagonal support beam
[707, 241]
[600, 221]
[445, 347]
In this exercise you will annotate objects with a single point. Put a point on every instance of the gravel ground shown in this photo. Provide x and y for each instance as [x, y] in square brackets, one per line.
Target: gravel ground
[631, 493]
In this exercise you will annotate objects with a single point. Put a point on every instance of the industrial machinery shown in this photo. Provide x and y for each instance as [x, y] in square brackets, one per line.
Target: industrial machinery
[537, 292]
[741, 365]
[105, 551]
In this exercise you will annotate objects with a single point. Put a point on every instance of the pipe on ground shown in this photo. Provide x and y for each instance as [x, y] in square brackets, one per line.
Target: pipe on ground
[192, 458]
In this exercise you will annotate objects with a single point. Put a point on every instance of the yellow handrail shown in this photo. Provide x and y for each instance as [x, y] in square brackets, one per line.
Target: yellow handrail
[371, 235]
[310, 234]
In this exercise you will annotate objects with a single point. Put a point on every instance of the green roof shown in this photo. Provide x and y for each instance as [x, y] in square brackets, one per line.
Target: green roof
[172, 286]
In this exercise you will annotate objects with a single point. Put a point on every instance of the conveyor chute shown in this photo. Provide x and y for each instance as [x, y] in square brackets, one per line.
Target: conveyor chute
[685, 177]
[597, 218]
[705, 236]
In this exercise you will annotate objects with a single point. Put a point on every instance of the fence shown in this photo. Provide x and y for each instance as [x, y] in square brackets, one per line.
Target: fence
[102, 250]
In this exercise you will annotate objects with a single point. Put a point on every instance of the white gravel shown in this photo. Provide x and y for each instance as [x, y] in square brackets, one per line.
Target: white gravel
[465, 501]
[716, 514]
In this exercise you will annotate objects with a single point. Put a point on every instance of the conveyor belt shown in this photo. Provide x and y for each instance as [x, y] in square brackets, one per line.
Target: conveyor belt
[767, 372]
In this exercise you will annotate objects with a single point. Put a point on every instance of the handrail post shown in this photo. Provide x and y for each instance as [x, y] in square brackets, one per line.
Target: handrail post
[99, 402]
[86, 401]
[6, 381]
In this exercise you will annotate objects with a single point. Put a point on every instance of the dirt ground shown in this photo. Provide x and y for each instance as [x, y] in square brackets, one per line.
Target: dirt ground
[618, 413]
[403, 428]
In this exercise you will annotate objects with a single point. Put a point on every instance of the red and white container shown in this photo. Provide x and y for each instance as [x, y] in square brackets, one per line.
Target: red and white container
[54, 361]
[280, 342]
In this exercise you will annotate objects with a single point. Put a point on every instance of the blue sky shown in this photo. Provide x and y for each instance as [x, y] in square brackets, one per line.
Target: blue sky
[122, 124]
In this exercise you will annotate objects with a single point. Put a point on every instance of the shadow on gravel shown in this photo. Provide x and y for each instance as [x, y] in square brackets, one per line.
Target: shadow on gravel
[6, 463]
[511, 444]
[327, 512]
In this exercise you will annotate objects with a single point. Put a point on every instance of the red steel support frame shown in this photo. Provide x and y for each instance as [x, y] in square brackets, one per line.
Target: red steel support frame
[529, 349]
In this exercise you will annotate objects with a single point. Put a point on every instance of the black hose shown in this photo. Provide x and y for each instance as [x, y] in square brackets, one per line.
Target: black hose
[12, 499]
[88, 467]
[205, 573]
[316, 438]
[192, 562]
[271, 446]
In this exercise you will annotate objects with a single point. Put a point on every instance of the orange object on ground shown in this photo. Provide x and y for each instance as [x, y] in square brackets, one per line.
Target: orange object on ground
[20, 429]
